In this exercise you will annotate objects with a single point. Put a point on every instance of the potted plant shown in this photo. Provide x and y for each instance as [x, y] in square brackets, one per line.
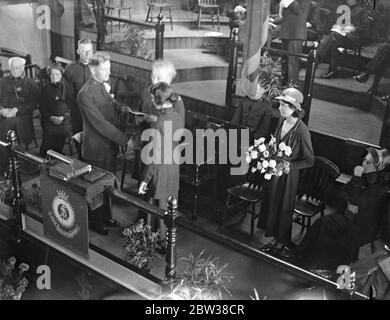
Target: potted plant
[271, 76]
[6, 198]
[141, 244]
[201, 279]
[13, 283]
[131, 42]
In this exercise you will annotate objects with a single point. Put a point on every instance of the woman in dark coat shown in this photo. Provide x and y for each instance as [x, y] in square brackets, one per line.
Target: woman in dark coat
[55, 112]
[335, 239]
[280, 192]
[161, 176]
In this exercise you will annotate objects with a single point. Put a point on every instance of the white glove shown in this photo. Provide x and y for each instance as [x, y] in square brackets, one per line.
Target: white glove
[77, 137]
[143, 187]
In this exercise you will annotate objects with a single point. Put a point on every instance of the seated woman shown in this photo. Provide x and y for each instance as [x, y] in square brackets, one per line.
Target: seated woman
[54, 111]
[255, 112]
[335, 239]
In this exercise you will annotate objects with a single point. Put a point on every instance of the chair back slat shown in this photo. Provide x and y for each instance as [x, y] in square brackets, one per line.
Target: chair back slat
[315, 181]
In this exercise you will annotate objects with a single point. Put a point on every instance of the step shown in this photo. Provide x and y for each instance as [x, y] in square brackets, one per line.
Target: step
[346, 91]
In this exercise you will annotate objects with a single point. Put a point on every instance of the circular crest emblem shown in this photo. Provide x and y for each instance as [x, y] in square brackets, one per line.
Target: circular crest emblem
[63, 212]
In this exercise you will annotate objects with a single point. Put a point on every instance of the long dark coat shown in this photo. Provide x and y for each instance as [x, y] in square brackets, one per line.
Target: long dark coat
[335, 239]
[280, 192]
[294, 21]
[163, 179]
[101, 139]
[23, 94]
[52, 103]
[75, 75]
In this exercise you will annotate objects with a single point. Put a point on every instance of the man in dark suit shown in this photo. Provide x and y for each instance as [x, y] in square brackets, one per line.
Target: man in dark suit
[292, 33]
[19, 96]
[76, 75]
[101, 139]
[353, 39]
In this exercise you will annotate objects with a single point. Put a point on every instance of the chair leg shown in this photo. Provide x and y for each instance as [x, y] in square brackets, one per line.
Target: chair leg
[308, 224]
[147, 15]
[170, 17]
[124, 168]
[196, 198]
[253, 215]
[218, 19]
[225, 210]
[373, 248]
[199, 17]
[303, 224]
[70, 145]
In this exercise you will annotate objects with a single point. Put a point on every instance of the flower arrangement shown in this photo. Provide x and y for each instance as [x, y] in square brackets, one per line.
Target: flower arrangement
[13, 283]
[201, 279]
[270, 159]
[270, 75]
[140, 246]
[33, 197]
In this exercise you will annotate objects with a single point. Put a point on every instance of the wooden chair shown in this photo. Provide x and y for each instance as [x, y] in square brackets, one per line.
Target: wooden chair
[159, 4]
[313, 185]
[248, 195]
[112, 6]
[212, 7]
[196, 175]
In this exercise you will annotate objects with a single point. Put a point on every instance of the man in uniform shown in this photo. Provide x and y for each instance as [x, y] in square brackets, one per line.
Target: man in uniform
[101, 139]
[76, 75]
[18, 98]
[292, 33]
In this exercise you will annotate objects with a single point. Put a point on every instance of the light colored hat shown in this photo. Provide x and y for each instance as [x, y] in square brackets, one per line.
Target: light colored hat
[293, 96]
[16, 61]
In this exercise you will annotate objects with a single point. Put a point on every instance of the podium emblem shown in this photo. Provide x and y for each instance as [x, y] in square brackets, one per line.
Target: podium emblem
[63, 215]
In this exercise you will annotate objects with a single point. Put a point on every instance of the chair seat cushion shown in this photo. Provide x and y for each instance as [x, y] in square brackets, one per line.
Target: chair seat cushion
[307, 209]
[245, 193]
[160, 5]
[209, 6]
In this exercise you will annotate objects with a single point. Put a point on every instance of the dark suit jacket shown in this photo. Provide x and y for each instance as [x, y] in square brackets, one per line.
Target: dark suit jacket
[100, 137]
[361, 22]
[23, 94]
[163, 179]
[256, 115]
[75, 76]
[294, 21]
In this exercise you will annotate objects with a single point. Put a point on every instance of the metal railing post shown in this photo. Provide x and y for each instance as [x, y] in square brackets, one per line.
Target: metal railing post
[160, 28]
[18, 204]
[232, 71]
[312, 63]
[170, 221]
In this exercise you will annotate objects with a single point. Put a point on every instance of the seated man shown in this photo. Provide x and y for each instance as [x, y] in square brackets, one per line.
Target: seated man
[376, 67]
[255, 112]
[313, 24]
[335, 239]
[19, 96]
[350, 37]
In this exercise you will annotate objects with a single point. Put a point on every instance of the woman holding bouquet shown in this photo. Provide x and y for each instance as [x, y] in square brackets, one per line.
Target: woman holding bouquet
[280, 191]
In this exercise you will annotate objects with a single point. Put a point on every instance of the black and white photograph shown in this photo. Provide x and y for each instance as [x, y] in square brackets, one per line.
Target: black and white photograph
[168, 152]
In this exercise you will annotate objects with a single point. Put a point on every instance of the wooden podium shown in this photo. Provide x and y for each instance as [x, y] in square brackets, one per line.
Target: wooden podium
[65, 207]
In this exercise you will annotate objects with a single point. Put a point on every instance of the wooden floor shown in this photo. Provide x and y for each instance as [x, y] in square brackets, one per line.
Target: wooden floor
[325, 116]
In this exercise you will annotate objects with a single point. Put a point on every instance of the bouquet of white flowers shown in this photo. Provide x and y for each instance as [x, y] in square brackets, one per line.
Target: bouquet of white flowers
[270, 159]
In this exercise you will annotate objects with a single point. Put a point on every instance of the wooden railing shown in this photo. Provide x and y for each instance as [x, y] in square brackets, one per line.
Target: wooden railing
[159, 29]
[19, 206]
